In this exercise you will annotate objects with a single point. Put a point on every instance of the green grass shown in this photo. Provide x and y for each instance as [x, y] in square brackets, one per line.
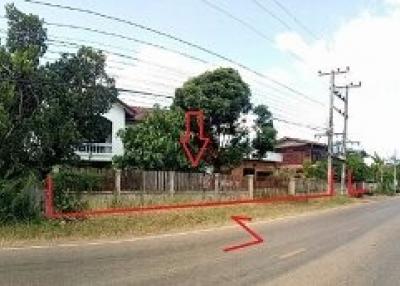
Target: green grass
[140, 224]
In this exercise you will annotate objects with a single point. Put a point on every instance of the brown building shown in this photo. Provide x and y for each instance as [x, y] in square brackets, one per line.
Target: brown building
[259, 168]
[296, 151]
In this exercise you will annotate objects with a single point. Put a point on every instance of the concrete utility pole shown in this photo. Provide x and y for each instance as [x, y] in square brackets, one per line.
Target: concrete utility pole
[330, 130]
[345, 132]
[394, 171]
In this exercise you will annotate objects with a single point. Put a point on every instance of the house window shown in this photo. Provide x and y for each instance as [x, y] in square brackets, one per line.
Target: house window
[248, 171]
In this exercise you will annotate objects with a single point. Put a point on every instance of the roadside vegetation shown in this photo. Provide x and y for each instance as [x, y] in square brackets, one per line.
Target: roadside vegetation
[379, 173]
[46, 110]
[141, 224]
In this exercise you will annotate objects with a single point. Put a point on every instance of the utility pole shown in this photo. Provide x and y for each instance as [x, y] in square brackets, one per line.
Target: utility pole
[345, 132]
[394, 171]
[330, 131]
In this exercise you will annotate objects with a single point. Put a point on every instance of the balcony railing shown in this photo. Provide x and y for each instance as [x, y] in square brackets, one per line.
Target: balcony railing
[95, 148]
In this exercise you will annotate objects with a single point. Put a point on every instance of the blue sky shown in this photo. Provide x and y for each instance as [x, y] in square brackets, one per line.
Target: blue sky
[346, 29]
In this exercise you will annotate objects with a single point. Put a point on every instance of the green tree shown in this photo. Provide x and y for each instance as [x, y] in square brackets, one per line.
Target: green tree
[224, 97]
[355, 163]
[319, 169]
[46, 110]
[377, 168]
[154, 143]
[265, 132]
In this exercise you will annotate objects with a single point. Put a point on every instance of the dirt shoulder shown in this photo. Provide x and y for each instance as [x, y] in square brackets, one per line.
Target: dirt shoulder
[142, 224]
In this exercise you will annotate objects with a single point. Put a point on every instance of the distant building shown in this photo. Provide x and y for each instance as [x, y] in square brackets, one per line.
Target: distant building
[260, 168]
[296, 151]
[120, 116]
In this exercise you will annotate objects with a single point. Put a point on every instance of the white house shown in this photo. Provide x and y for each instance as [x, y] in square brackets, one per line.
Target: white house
[120, 116]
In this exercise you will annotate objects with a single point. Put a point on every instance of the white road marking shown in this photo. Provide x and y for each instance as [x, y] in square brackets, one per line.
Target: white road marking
[293, 253]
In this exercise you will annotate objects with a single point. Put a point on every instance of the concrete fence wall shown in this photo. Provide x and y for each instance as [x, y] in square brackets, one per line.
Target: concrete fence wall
[172, 183]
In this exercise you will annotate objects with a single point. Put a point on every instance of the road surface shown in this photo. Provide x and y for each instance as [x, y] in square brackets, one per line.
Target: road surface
[357, 245]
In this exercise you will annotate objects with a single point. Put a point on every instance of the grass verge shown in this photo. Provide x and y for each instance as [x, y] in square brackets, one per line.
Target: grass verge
[140, 224]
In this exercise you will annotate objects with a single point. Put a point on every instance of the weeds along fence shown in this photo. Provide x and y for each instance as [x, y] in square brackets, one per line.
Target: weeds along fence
[271, 186]
[310, 186]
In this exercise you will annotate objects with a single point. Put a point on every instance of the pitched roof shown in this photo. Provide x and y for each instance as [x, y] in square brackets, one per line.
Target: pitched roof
[126, 107]
[136, 113]
[141, 112]
[292, 142]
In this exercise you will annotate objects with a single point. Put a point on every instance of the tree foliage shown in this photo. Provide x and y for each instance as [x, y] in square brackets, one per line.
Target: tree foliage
[224, 97]
[154, 143]
[46, 110]
[265, 139]
[355, 163]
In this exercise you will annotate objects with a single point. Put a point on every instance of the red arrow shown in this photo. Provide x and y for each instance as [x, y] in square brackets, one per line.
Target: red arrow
[185, 139]
[257, 238]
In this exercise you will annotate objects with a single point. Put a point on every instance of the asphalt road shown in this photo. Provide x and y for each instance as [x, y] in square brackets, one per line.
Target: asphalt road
[358, 245]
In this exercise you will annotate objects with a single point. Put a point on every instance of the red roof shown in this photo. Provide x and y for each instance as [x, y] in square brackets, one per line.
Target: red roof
[291, 142]
[140, 112]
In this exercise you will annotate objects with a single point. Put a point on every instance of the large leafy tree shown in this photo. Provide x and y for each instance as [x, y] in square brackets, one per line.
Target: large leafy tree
[224, 97]
[46, 110]
[265, 132]
[154, 143]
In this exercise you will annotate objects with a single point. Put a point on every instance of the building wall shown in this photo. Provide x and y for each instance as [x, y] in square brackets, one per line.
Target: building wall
[258, 168]
[117, 117]
[297, 155]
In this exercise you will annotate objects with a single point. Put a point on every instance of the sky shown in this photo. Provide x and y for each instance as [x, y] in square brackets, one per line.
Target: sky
[361, 34]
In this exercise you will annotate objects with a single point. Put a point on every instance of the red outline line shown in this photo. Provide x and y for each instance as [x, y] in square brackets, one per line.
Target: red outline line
[257, 238]
[184, 140]
[185, 206]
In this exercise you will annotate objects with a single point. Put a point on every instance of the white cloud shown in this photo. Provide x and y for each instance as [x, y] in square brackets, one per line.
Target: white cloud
[370, 45]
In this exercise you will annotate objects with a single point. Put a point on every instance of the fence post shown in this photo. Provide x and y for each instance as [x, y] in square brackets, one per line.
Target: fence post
[49, 198]
[144, 180]
[292, 186]
[118, 182]
[250, 184]
[216, 183]
[172, 183]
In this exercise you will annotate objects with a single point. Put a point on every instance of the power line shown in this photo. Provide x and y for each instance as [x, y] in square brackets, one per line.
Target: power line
[271, 102]
[298, 124]
[155, 95]
[127, 90]
[297, 21]
[247, 25]
[169, 68]
[66, 43]
[237, 19]
[273, 15]
[170, 36]
[97, 31]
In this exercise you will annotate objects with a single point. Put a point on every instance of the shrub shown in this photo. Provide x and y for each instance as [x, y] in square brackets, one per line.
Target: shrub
[20, 198]
[69, 187]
